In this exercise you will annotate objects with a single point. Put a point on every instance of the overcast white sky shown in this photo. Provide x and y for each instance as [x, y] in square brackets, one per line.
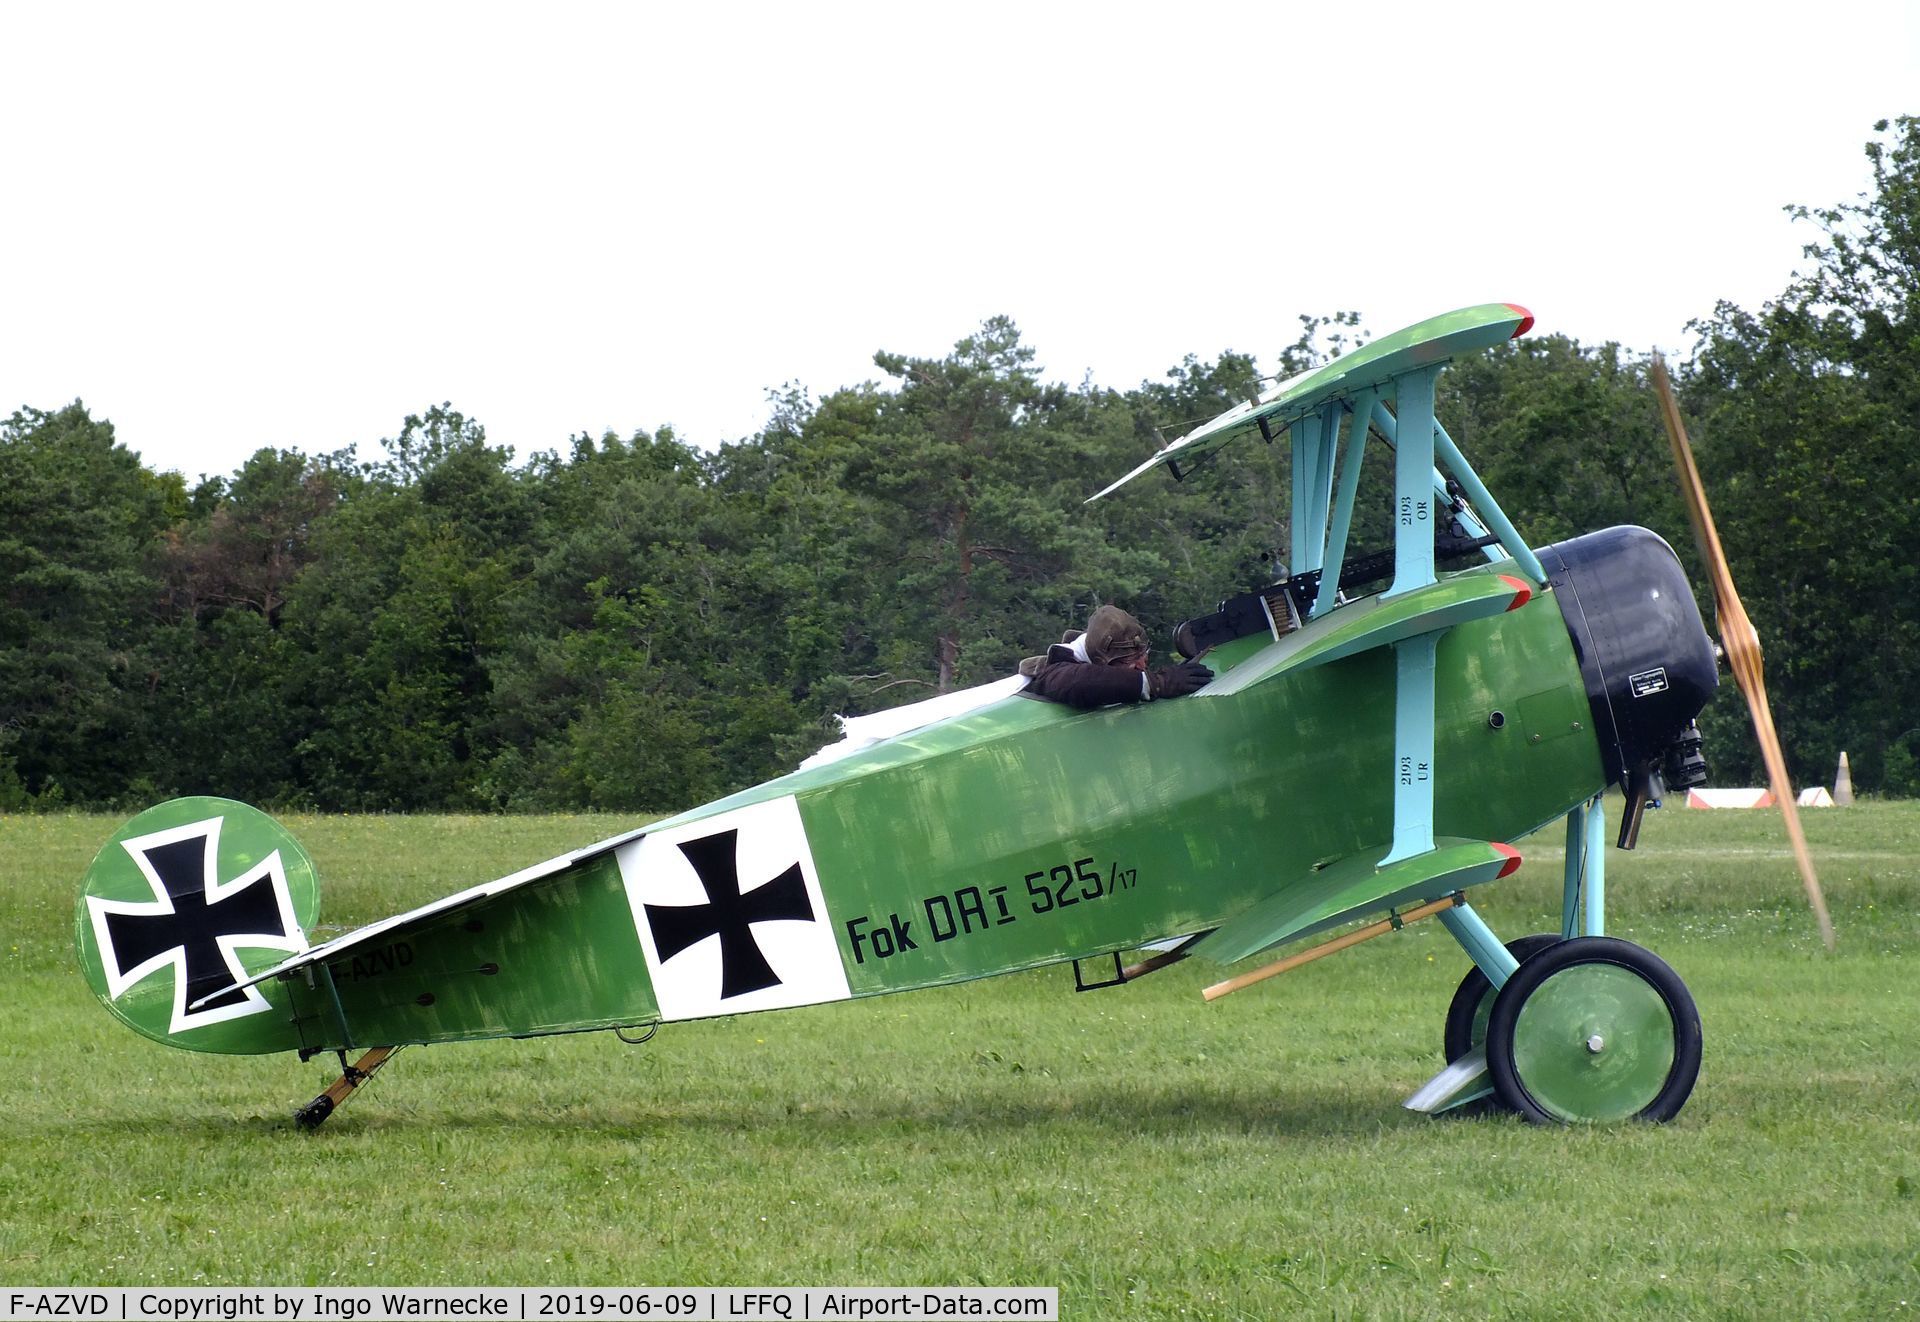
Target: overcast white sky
[228, 226]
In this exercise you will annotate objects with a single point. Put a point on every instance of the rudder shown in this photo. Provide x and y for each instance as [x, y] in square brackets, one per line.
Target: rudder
[188, 898]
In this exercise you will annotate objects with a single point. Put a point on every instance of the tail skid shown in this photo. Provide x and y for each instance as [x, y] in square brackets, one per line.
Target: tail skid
[314, 1114]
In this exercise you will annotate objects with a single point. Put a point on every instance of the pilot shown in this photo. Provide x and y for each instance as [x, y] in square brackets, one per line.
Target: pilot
[1107, 664]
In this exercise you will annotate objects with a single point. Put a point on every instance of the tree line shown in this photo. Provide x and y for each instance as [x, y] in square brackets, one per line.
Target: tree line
[629, 622]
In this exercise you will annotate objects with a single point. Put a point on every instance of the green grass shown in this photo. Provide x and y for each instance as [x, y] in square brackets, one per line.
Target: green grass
[1152, 1155]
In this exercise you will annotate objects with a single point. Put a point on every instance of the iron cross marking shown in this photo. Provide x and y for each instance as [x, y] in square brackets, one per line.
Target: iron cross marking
[195, 926]
[729, 914]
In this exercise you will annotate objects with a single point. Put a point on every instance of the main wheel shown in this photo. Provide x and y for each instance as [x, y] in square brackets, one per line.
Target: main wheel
[1594, 1030]
[1473, 998]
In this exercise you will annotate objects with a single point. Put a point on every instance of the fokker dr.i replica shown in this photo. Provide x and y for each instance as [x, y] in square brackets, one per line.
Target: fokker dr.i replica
[1363, 751]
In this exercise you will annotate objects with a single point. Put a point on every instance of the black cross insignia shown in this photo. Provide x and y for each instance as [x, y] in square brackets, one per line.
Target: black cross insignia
[193, 925]
[729, 914]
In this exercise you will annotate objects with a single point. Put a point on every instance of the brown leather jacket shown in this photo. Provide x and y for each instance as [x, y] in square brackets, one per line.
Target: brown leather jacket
[1064, 677]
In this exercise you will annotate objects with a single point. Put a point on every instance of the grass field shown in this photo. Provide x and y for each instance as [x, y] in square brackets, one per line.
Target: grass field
[1151, 1155]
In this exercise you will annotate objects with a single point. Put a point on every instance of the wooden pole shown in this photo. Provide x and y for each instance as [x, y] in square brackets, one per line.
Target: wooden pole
[1352, 938]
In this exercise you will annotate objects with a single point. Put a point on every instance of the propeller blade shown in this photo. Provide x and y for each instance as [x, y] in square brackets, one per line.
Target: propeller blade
[1738, 640]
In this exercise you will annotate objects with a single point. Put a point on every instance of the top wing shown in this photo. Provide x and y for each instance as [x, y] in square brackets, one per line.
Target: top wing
[1431, 341]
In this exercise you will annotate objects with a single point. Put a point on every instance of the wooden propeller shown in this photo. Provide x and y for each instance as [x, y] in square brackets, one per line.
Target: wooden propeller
[1738, 640]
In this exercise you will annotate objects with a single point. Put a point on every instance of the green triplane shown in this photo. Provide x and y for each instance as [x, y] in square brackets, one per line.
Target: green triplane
[1360, 753]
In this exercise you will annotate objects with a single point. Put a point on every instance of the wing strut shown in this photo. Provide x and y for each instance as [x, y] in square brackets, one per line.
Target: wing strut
[1413, 524]
[1485, 506]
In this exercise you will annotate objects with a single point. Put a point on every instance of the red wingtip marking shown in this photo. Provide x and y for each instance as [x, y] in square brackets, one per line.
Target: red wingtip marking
[1522, 592]
[1512, 864]
[1526, 321]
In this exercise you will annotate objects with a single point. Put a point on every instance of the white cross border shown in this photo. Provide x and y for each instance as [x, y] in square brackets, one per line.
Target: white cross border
[119, 980]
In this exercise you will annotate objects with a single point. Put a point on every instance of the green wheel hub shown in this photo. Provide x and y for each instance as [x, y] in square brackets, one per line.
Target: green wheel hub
[1594, 1043]
[1594, 1030]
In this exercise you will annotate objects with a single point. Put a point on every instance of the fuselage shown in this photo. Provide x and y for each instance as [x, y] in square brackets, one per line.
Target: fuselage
[1017, 835]
[1022, 834]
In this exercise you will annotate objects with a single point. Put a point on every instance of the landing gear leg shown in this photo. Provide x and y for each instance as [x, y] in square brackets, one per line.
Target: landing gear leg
[1473, 999]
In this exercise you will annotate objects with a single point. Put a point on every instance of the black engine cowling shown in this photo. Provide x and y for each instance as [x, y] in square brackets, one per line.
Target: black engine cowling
[1648, 663]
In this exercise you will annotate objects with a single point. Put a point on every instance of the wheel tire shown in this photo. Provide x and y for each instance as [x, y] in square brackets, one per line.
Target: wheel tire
[1473, 998]
[1592, 1031]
